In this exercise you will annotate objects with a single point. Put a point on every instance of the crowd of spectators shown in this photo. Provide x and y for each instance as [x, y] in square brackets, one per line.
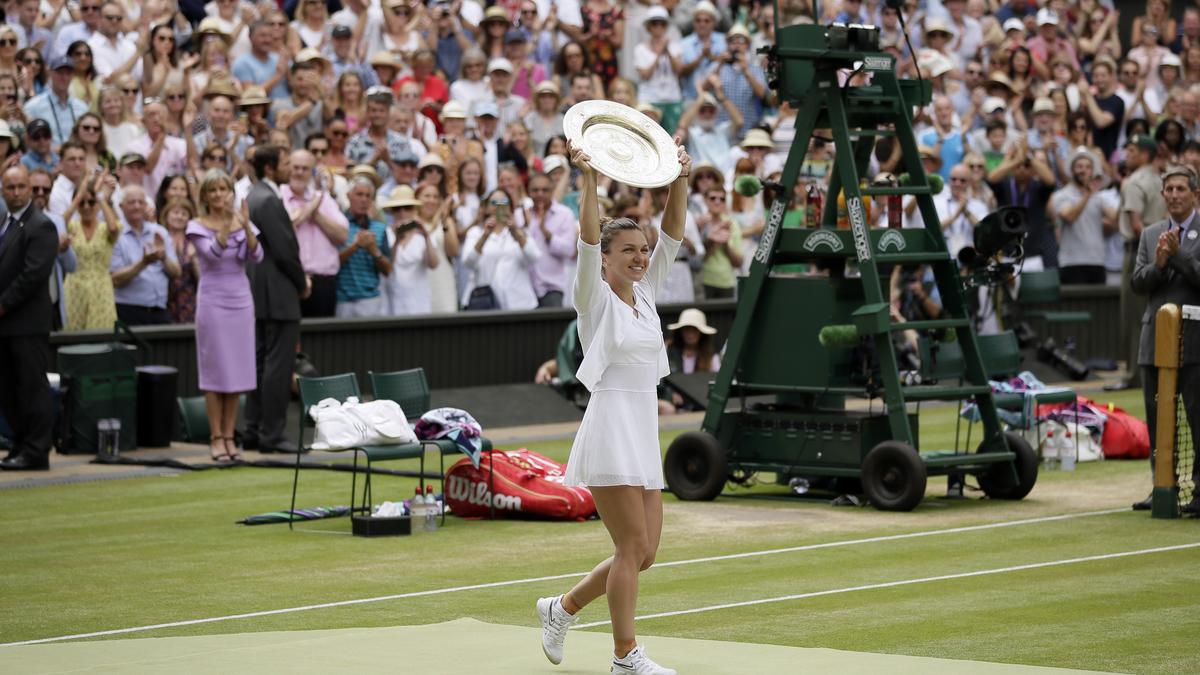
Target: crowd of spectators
[428, 168]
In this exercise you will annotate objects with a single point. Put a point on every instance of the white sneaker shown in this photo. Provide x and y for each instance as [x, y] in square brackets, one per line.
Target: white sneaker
[637, 663]
[555, 622]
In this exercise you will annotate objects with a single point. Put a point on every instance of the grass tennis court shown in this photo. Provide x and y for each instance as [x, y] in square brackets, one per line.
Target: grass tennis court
[120, 554]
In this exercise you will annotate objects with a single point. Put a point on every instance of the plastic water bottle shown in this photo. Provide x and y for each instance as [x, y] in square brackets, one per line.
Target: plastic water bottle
[417, 507]
[431, 510]
[1066, 452]
[1049, 460]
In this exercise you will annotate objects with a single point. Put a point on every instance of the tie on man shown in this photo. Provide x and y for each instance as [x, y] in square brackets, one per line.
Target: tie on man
[8, 227]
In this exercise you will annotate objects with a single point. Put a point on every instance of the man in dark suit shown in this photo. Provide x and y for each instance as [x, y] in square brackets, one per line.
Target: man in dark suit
[278, 284]
[1167, 270]
[28, 249]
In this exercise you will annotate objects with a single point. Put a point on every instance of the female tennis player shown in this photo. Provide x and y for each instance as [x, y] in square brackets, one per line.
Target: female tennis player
[616, 452]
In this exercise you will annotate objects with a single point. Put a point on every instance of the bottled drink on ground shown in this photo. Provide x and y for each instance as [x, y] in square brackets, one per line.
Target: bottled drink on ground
[1049, 452]
[431, 510]
[1066, 452]
[417, 509]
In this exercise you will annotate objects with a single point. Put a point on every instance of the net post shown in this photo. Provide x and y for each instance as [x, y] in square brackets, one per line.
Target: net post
[1165, 497]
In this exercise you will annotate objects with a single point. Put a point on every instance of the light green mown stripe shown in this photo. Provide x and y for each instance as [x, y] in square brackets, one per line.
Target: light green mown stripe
[464, 646]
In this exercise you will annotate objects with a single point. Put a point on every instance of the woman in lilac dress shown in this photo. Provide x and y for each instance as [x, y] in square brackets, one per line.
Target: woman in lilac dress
[224, 240]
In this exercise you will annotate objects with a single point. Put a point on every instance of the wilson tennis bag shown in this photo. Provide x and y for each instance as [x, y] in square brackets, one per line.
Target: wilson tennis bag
[526, 485]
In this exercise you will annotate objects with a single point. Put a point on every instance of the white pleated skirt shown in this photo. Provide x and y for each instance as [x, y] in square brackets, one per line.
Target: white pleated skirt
[617, 442]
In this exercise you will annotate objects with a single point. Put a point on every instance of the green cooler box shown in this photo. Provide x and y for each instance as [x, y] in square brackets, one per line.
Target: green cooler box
[99, 381]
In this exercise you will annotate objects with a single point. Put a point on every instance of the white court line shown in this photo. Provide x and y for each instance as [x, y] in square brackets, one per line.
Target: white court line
[555, 577]
[906, 582]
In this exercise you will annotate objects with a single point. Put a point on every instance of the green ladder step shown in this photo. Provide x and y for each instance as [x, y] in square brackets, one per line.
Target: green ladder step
[906, 258]
[927, 392]
[903, 190]
[931, 324]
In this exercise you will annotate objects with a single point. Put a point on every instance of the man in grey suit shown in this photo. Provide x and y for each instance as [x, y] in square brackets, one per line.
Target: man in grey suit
[1168, 271]
[278, 284]
[28, 249]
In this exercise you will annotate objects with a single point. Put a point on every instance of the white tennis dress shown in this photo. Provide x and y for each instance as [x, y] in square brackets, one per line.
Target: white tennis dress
[623, 360]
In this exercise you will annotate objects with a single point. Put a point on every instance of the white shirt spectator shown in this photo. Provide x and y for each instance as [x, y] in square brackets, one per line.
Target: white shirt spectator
[959, 231]
[372, 32]
[62, 192]
[503, 265]
[108, 55]
[663, 85]
[407, 287]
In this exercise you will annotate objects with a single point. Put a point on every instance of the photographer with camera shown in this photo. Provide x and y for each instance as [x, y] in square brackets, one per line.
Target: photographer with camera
[499, 253]
[1167, 271]
[1025, 179]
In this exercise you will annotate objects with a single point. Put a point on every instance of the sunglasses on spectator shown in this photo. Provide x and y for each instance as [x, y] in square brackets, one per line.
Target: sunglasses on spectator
[176, 97]
[87, 9]
[1079, 127]
[129, 91]
[8, 42]
[957, 179]
[217, 158]
[975, 166]
[319, 151]
[37, 190]
[80, 52]
[339, 133]
[40, 136]
[87, 202]
[31, 61]
[89, 127]
[715, 198]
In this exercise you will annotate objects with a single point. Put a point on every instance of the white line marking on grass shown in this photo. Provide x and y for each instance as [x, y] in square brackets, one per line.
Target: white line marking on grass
[906, 582]
[556, 577]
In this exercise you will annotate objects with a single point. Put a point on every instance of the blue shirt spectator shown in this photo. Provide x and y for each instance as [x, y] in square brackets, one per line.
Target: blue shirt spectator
[60, 110]
[249, 69]
[149, 288]
[738, 88]
[358, 277]
[693, 48]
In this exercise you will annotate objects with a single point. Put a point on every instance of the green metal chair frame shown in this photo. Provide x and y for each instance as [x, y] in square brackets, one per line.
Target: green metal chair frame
[342, 387]
[1002, 358]
[410, 389]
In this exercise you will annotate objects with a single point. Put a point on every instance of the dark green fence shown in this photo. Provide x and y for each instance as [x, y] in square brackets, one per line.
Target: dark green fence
[487, 348]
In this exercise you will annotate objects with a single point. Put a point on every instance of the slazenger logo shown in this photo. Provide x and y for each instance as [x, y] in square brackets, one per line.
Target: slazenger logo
[477, 493]
[768, 238]
[892, 238]
[857, 224]
[877, 63]
[823, 238]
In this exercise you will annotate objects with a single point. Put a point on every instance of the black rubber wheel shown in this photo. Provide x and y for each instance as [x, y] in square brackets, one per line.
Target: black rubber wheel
[695, 467]
[893, 477]
[997, 482]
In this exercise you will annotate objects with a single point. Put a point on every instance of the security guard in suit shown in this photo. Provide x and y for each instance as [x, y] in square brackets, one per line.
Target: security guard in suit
[1167, 270]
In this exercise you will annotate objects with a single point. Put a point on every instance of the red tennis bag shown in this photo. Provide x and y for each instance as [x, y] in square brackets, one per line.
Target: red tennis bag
[526, 485]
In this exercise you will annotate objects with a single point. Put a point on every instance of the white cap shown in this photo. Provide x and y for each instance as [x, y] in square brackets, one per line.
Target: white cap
[500, 64]
[938, 24]
[706, 7]
[553, 162]
[1170, 59]
[1047, 17]
[656, 13]
[1043, 105]
[993, 103]
[1014, 24]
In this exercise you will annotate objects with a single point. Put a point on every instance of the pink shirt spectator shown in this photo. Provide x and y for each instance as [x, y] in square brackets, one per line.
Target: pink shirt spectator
[172, 160]
[318, 253]
[554, 235]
